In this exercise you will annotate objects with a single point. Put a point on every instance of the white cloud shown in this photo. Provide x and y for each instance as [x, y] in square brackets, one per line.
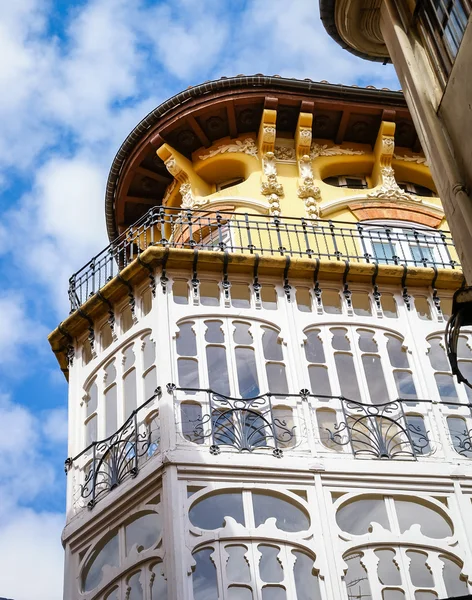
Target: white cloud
[55, 426]
[18, 331]
[29, 540]
[32, 556]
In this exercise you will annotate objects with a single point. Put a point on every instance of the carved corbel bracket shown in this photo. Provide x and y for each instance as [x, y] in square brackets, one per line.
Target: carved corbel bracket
[307, 190]
[267, 132]
[191, 185]
[383, 174]
[303, 134]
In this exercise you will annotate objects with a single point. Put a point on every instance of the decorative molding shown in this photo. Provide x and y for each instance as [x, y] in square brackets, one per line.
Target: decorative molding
[189, 201]
[325, 150]
[285, 153]
[389, 189]
[271, 188]
[307, 190]
[413, 158]
[246, 146]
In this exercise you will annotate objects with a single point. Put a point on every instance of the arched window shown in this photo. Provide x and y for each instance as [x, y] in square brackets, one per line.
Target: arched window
[399, 567]
[272, 564]
[137, 540]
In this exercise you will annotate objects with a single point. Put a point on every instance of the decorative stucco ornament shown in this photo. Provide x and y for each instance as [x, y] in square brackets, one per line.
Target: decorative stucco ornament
[285, 153]
[247, 146]
[307, 190]
[414, 158]
[325, 150]
[390, 190]
[172, 167]
[271, 188]
[189, 201]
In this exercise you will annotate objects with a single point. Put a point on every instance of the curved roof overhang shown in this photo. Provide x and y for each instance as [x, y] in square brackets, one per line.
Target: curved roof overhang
[355, 14]
[230, 107]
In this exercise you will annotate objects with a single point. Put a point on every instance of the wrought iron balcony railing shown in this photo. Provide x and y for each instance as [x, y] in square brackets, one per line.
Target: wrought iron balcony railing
[267, 236]
[378, 431]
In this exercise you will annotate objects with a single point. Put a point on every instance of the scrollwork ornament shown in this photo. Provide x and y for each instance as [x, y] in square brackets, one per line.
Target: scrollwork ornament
[390, 190]
[247, 146]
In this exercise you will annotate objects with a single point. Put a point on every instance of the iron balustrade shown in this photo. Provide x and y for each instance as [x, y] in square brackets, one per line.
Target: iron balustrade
[379, 431]
[119, 456]
[266, 236]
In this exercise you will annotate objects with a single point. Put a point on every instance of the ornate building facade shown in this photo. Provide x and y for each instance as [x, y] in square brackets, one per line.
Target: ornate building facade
[260, 401]
[429, 43]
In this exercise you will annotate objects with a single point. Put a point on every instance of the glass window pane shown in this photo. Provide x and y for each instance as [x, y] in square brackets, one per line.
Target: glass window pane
[405, 385]
[432, 523]
[92, 398]
[306, 582]
[210, 512]
[446, 387]
[389, 306]
[418, 434]
[86, 352]
[150, 383]
[397, 352]
[217, 369]
[437, 355]
[158, 583]
[205, 586]
[288, 516]
[375, 378]
[277, 378]
[209, 293]
[247, 373]
[347, 376]
[180, 291]
[361, 304]
[223, 427]
[314, 347]
[367, 342]
[446, 308]
[357, 516]
[455, 586]
[272, 344]
[106, 337]
[460, 436]
[91, 430]
[387, 569]
[242, 333]
[214, 332]
[129, 391]
[146, 301]
[270, 568]
[191, 419]
[237, 566]
[357, 583]
[111, 408]
[389, 594]
[284, 426]
[149, 352]
[463, 350]
[143, 532]
[420, 574]
[331, 302]
[273, 592]
[327, 428]
[110, 373]
[126, 319]
[422, 255]
[240, 296]
[128, 357]
[269, 297]
[188, 373]
[423, 308]
[339, 340]
[186, 340]
[319, 380]
[303, 299]
[236, 592]
[93, 571]
[384, 252]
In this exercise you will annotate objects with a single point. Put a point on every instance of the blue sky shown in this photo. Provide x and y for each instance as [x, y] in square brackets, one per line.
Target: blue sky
[76, 77]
